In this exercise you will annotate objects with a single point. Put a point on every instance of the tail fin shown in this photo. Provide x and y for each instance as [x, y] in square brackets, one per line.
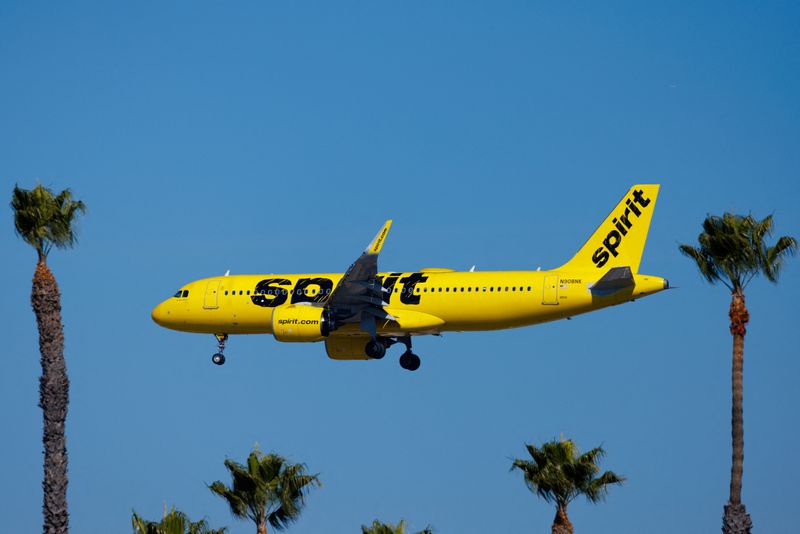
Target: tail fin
[619, 240]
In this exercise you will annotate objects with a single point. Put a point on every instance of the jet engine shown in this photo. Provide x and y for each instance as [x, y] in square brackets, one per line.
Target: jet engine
[301, 323]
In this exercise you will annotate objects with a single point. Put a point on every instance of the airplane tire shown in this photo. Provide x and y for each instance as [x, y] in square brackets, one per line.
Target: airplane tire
[410, 361]
[375, 349]
[218, 358]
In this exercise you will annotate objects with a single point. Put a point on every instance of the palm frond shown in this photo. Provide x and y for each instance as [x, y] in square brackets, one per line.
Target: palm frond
[173, 522]
[774, 257]
[559, 473]
[268, 488]
[733, 250]
[44, 220]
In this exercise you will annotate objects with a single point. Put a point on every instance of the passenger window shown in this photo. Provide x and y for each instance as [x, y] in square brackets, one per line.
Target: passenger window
[506, 288]
[491, 289]
[248, 291]
[469, 289]
[529, 288]
[462, 289]
[226, 292]
[514, 288]
[440, 290]
[447, 290]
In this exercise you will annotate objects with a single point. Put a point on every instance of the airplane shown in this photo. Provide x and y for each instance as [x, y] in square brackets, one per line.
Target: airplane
[361, 313]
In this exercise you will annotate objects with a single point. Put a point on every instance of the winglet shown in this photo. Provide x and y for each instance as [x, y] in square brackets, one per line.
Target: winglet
[376, 244]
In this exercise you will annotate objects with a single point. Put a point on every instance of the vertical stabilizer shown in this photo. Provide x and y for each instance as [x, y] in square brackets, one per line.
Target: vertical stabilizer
[619, 240]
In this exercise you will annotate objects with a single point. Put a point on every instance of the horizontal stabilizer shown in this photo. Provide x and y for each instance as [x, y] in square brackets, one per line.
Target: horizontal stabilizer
[615, 279]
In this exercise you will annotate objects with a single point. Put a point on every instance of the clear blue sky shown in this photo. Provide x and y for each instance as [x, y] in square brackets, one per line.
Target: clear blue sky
[278, 136]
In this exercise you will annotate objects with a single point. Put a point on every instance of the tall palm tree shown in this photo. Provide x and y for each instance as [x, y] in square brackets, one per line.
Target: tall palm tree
[378, 527]
[174, 522]
[267, 490]
[559, 473]
[44, 220]
[733, 251]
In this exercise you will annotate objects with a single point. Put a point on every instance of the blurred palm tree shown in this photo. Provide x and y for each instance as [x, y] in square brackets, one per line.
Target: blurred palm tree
[44, 220]
[174, 522]
[267, 490]
[559, 473]
[378, 527]
[733, 251]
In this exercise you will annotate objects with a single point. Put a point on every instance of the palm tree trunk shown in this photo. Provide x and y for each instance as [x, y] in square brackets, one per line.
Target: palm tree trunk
[736, 520]
[561, 524]
[53, 397]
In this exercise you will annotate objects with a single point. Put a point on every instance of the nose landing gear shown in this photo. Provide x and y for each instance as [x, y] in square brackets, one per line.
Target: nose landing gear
[219, 357]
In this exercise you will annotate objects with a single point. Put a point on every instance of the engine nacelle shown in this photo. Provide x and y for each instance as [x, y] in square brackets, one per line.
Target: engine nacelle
[300, 323]
[346, 347]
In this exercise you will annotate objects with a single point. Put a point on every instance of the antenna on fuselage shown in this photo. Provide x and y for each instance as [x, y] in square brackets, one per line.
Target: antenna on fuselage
[227, 272]
[472, 269]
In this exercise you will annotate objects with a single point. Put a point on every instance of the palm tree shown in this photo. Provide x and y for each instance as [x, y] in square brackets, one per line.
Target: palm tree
[267, 490]
[559, 473]
[733, 251]
[378, 527]
[174, 522]
[44, 220]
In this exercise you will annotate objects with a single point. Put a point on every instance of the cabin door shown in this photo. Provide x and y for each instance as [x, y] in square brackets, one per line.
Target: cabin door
[211, 299]
[550, 290]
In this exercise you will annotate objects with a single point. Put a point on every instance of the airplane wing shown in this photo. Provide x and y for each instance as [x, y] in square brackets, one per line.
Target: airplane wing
[358, 297]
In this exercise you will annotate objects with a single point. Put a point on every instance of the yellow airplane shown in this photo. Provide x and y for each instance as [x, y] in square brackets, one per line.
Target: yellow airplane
[360, 313]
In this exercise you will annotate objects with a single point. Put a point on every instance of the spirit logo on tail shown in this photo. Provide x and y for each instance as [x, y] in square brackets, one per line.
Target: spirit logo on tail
[622, 224]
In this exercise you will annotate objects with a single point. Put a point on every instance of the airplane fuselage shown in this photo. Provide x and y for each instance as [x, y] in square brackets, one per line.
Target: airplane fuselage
[438, 300]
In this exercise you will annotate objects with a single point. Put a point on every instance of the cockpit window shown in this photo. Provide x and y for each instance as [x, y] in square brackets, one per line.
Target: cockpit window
[185, 293]
[178, 294]
[181, 293]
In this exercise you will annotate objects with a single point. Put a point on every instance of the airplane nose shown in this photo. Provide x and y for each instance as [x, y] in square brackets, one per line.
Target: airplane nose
[159, 314]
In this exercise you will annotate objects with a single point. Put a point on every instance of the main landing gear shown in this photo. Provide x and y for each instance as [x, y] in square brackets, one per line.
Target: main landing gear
[219, 358]
[376, 349]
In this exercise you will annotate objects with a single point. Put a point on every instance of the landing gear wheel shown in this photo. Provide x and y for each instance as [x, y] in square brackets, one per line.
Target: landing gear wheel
[375, 349]
[219, 358]
[410, 361]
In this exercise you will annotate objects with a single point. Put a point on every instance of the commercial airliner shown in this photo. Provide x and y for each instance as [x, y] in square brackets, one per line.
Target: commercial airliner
[361, 313]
